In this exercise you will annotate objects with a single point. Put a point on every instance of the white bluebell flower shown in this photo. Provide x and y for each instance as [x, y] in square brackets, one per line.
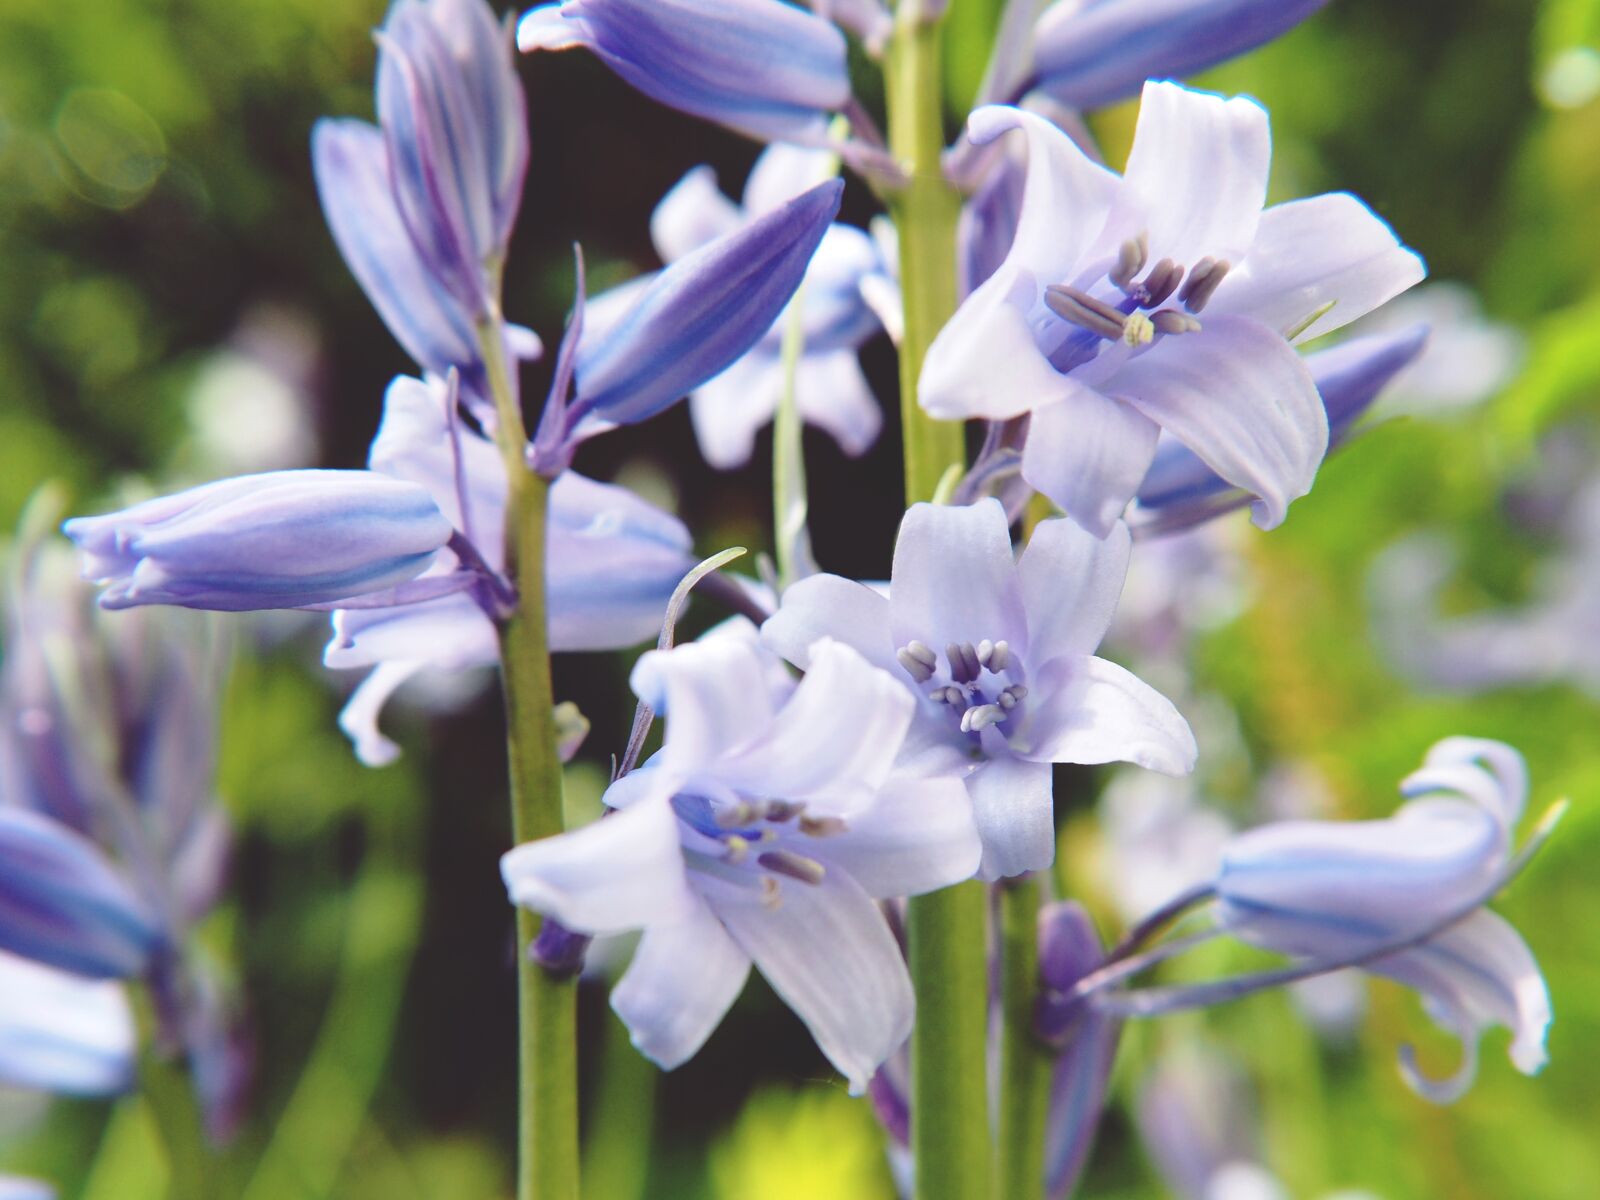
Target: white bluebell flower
[1164, 299]
[60, 1032]
[830, 389]
[283, 539]
[999, 655]
[63, 903]
[613, 560]
[763, 67]
[765, 831]
[1090, 55]
[14, 1187]
[1325, 890]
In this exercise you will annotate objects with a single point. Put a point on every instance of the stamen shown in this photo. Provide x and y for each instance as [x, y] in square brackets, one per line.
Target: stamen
[1131, 256]
[918, 660]
[964, 665]
[795, 866]
[980, 717]
[1012, 696]
[738, 849]
[1206, 277]
[822, 827]
[1162, 281]
[1170, 320]
[985, 652]
[782, 810]
[1000, 657]
[1084, 310]
[737, 816]
[1138, 330]
[952, 696]
[771, 893]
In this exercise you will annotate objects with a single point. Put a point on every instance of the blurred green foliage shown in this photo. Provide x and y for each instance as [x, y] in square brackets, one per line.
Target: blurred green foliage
[155, 192]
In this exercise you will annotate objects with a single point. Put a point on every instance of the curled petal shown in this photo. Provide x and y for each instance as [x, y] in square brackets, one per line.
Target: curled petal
[714, 694]
[1012, 803]
[830, 606]
[1088, 453]
[917, 835]
[693, 214]
[1088, 710]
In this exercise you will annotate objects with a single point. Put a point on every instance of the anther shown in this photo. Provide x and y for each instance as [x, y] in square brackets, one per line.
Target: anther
[1138, 330]
[985, 652]
[738, 815]
[1170, 320]
[980, 717]
[822, 827]
[1084, 310]
[738, 849]
[999, 657]
[1012, 696]
[771, 893]
[1131, 257]
[964, 666]
[795, 866]
[918, 660]
[782, 810]
[1206, 277]
[952, 696]
[1162, 281]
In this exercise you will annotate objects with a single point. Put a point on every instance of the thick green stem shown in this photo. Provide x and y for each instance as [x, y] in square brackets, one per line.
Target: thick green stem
[1025, 1063]
[170, 1100]
[547, 1121]
[789, 503]
[946, 929]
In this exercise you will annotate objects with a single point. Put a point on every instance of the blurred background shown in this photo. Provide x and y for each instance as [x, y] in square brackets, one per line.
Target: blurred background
[172, 309]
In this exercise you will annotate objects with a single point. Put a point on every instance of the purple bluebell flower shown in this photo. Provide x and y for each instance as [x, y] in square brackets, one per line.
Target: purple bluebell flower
[455, 125]
[284, 539]
[999, 654]
[1090, 55]
[613, 561]
[764, 831]
[697, 317]
[64, 904]
[830, 389]
[60, 1032]
[1323, 890]
[762, 67]
[1180, 491]
[1163, 299]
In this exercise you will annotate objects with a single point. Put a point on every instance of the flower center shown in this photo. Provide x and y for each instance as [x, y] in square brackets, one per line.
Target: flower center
[1138, 316]
[742, 840]
[978, 686]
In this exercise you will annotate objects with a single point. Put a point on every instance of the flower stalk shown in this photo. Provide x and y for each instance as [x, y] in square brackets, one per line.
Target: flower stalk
[547, 1120]
[945, 929]
[1025, 1063]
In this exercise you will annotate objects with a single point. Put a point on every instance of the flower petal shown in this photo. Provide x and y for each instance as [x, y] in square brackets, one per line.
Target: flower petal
[358, 719]
[955, 579]
[728, 410]
[1312, 253]
[1088, 710]
[692, 214]
[684, 977]
[832, 393]
[918, 834]
[714, 695]
[1239, 396]
[62, 1033]
[622, 872]
[1088, 453]
[1071, 582]
[1013, 807]
[1196, 177]
[827, 951]
[830, 606]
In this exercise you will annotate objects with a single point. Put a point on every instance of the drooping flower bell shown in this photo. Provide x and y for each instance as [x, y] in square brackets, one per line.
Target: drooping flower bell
[999, 655]
[283, 539]
[63, 1033]
[764, 831]
[1323, 890]
[1165, 299]
[762, 67]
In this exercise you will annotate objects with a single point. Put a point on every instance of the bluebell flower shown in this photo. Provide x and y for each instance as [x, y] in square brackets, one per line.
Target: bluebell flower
[64, 904]
[765, 831]
[455, 124]
[60, 1032]
[1090, 55]
[998, 654]
[1180, 490]
[283, 539]
[696, 318]
[1164, 299]
[830, 389]
[613, 560]
[763, 67]
[1325, 890]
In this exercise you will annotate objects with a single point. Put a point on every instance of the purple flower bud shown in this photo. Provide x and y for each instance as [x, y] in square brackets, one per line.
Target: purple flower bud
[62, 1033]
[455, 125]
[698, 315]
[285, 539]
[1087, 56]
[63, 904]
[761, 67]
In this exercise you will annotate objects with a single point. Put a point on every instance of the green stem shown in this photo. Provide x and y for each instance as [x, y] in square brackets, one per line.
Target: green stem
[789, 503]
[616, 1161]
[547, 1122]
[946, 930]
[169, 1098]
[1025, 1064]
